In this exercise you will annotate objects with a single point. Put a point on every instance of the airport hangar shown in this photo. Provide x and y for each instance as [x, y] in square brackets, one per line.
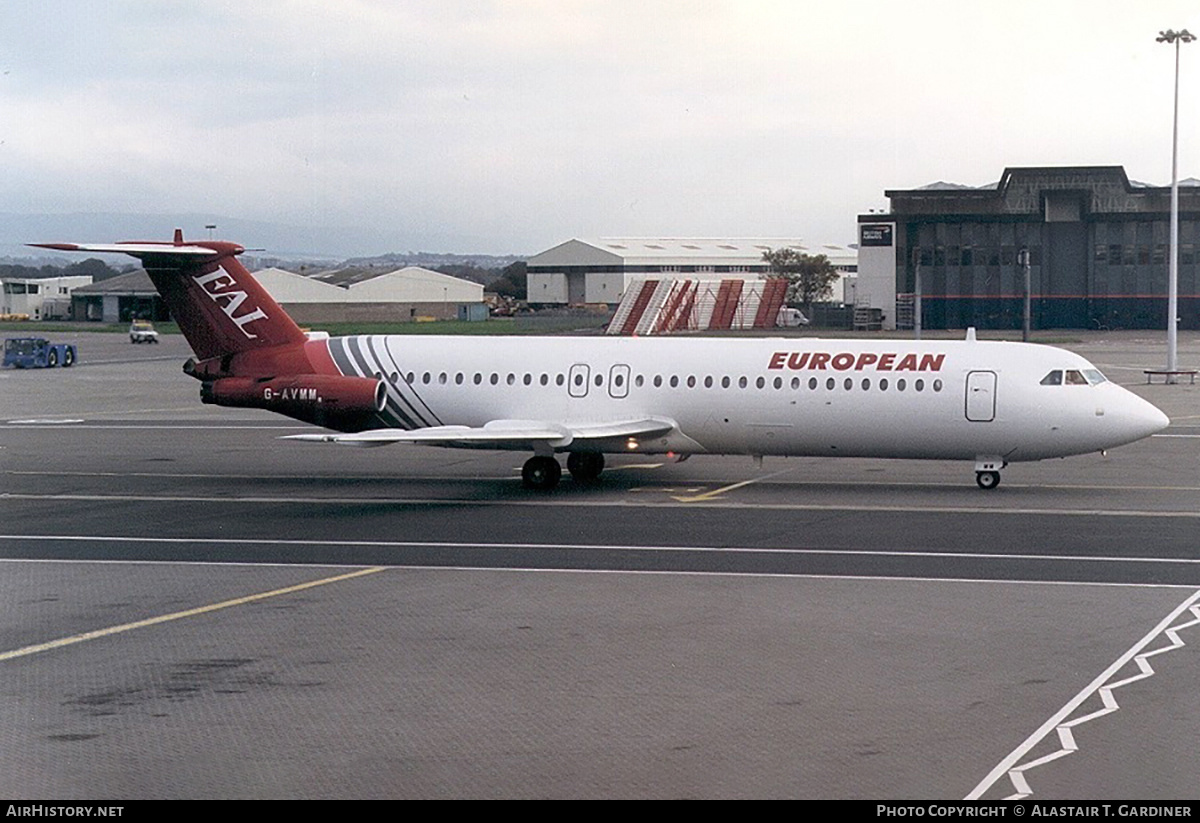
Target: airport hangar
[594, 271]
[362, 295]
[1097, 243]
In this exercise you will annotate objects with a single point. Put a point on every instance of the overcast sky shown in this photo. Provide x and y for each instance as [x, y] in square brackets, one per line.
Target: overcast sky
[509, 127]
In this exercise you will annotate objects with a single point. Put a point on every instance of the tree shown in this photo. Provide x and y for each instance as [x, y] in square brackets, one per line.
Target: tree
[810, 277]
[511, 282]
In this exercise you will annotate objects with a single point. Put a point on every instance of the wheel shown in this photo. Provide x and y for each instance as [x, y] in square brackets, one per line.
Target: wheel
[987, 480]
[52, 358]
[585, 465]
[68, 357]
[541, 473]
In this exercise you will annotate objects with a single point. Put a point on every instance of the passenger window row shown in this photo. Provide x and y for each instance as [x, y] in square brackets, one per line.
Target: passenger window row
[674, 381]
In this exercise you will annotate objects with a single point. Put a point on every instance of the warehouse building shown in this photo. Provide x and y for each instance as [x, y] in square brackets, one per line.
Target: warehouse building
[337, 296]
[1097, 247]
[119, 299]
[370, 295]
[602, 270]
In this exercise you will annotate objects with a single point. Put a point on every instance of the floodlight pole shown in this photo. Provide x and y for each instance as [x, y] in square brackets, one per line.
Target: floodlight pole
[1175, 37]
[917, 293]
[1027, 307]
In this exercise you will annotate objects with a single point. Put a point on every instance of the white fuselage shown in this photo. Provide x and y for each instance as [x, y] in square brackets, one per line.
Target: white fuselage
[763, 396]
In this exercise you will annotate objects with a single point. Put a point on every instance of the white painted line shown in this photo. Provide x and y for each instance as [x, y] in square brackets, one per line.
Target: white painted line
[590, 502]
[869, 578]
[1058, 722]
[441, 544]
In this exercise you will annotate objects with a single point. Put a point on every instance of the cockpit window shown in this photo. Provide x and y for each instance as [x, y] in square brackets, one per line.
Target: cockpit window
[1074, 377]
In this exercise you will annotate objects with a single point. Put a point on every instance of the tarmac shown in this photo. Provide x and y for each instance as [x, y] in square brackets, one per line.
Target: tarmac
[195, 609]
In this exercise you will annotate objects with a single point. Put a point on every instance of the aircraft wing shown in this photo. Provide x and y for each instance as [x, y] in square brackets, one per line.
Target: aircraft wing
[505, 434]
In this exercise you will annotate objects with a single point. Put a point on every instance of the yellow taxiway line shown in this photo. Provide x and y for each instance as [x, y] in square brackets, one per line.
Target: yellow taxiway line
[166, 618]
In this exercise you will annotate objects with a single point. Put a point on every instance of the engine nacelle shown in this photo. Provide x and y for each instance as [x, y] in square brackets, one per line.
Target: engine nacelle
[334, 401]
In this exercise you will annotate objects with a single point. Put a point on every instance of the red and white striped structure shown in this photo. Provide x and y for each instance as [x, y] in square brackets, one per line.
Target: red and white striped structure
[664, 305]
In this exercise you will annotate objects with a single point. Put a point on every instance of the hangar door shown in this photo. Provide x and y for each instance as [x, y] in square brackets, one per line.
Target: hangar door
[981, 396]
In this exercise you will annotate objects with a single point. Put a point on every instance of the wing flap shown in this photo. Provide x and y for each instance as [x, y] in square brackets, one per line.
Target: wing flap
[502, 434]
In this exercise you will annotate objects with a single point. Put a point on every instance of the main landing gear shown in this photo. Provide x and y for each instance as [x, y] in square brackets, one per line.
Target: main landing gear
[585, 466]
[542, 472]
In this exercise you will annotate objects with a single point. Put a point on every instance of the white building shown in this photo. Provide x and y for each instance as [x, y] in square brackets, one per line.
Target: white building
[40, 298]
[371, 295]
[601, 270]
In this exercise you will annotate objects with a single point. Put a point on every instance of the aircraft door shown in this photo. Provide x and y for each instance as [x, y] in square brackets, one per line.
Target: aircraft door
[981, 396]
[618, 381]
[577, 380]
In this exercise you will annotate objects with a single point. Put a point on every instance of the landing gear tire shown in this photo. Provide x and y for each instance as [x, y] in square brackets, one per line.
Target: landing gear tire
[541, 473]
[585, 466]
[987, 480]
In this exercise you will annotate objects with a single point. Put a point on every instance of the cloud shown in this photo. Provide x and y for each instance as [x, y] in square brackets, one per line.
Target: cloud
[521, 124]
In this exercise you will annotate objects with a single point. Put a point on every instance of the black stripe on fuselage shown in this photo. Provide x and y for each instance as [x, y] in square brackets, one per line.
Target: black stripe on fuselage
[400, 386]
[430, 412]
[351, 362]
[406, 413]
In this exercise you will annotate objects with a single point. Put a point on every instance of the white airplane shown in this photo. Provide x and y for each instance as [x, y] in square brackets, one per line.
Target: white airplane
[990, 402]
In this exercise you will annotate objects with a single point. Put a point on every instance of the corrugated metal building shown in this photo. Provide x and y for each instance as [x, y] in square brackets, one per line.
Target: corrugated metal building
[601, 270]
[119, 299]
[370, 295]
[1097, 244]
[346, 295]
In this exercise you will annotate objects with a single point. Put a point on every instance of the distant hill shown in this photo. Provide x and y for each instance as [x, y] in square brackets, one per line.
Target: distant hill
[432, 260]
[270, 241]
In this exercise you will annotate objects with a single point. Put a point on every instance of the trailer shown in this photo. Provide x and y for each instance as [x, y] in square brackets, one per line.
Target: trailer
[38, 353]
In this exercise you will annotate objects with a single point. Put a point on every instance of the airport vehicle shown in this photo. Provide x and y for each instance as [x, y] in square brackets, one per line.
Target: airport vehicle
[989, 402]
[142, 331]
[38, 353]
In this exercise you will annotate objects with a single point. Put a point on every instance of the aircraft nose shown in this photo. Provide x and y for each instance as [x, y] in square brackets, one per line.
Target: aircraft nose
[1144, 418]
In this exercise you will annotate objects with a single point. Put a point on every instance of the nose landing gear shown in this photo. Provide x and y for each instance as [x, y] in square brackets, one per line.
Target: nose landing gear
[987, 480]
[987, 471]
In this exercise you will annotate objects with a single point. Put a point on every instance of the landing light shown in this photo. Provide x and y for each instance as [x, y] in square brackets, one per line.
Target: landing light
[631, 444]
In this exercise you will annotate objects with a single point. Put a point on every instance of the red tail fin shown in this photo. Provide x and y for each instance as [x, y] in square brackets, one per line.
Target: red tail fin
[219, 306]
[221, 309]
